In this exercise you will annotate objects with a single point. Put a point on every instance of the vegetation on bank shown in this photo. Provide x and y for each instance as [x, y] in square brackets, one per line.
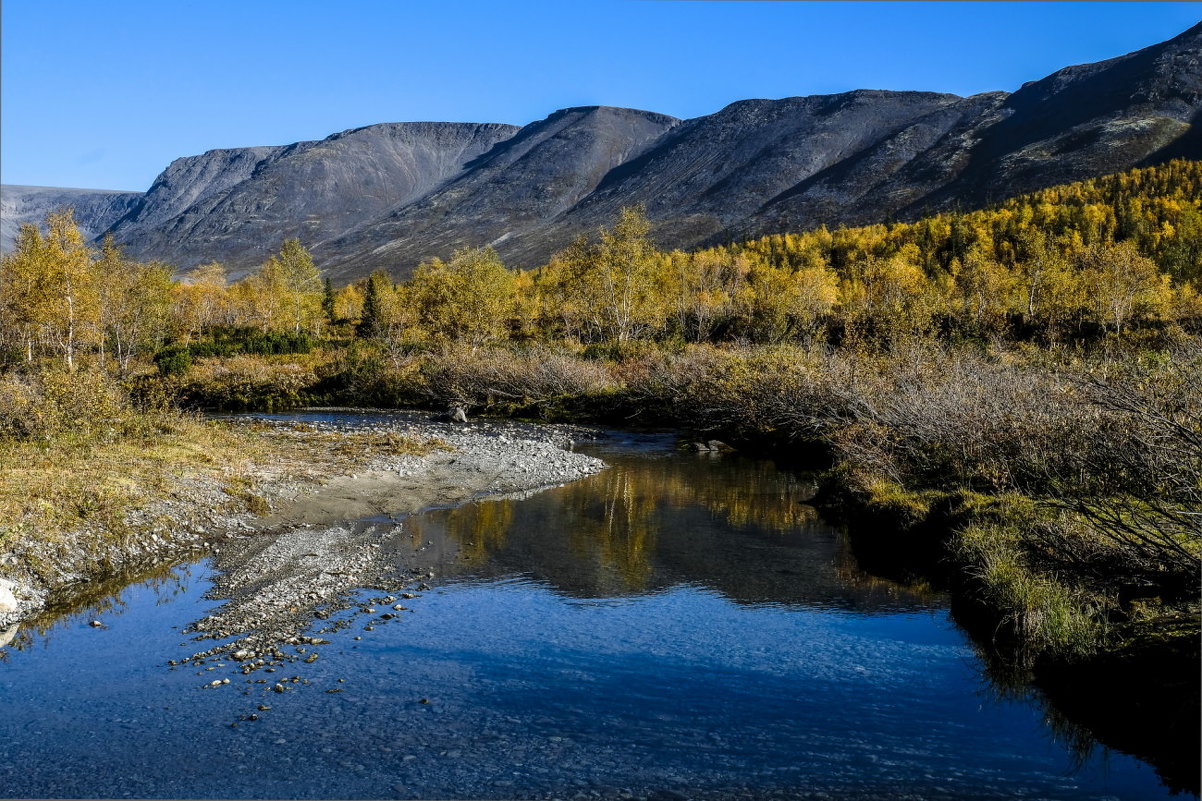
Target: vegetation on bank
[1016, 392]
[81, 451]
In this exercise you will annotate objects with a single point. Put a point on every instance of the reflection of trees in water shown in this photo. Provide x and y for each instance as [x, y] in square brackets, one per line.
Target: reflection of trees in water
[480, 529]
[636, 499]
[738, 526]
[622, 537]
[101, 598]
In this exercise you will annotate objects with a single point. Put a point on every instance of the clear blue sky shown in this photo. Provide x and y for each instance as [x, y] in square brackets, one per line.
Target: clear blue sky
[104, 93]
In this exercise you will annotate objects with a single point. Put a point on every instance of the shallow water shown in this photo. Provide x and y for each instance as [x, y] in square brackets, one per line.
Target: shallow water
[677, 626]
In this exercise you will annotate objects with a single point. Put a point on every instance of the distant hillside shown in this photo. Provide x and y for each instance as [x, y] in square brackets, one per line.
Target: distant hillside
[390, 196]
[95, 209]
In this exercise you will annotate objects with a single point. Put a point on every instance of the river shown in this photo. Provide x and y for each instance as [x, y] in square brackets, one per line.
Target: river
[677, 626]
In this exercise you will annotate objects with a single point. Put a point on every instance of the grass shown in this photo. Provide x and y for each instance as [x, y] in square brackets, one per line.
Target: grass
[49, 487]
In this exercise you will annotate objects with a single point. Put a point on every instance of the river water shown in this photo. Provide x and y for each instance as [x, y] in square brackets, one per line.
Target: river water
[677, 626]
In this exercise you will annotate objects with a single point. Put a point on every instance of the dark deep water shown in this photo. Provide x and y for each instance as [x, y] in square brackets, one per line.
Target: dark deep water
[677, 626]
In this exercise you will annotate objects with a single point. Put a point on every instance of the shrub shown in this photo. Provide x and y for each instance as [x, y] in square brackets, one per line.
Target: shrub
[531, 379]
[174, 360]
[82, 406]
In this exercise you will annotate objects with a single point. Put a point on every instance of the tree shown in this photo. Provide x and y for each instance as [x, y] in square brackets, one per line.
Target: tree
[303, 285]
[50, 289]
[371, 322]
[135, 303]
[22, 291]
[617, 289]
[348, 303]
[630, 286]
[982, 291]
[328, 300]
[1122, 284]
[471, 298]
[889, 297]
[202, 301]
[286, 292]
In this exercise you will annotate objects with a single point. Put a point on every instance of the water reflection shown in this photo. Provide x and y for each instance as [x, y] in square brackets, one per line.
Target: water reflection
[113, 596]
[734, 525]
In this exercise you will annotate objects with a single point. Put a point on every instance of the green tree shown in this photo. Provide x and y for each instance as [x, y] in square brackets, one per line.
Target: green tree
[328, 300]
[371, 320]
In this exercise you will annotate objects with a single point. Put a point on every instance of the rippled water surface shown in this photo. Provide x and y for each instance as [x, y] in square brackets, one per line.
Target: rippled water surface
[677, 626]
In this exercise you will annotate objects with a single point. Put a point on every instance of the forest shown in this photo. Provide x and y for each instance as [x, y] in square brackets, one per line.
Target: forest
[1074, 264]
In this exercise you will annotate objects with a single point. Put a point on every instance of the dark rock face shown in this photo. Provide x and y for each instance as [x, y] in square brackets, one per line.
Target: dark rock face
[236, 206]
[390, 196]
[519, 188]
[706, 179]
[95, 209]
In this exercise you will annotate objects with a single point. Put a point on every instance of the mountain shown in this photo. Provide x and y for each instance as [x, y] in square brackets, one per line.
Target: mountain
[522, 186]
[236, 206]
[95, 209]
[390, 196]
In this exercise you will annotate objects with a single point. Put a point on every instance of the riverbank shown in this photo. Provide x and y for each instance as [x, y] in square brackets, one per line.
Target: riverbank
[1054, 491]
[1124, 668]
[216, 485]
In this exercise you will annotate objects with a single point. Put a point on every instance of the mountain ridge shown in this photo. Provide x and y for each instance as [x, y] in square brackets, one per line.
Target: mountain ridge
[390, 195]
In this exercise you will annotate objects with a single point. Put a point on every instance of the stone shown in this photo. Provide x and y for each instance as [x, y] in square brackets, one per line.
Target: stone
[8, 598]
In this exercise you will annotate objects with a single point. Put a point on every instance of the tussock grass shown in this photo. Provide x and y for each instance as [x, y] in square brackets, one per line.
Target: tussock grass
[49, 487]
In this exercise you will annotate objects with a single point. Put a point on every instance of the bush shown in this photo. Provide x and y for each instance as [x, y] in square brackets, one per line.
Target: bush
[54, 405]
[531, 379]
[175, 360]
[250, 383]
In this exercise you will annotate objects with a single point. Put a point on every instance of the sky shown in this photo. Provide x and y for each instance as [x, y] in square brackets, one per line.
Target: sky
[105, 94]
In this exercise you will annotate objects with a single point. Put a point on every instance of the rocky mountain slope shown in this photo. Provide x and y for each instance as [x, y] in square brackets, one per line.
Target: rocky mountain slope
[389, 196]
[95, 209]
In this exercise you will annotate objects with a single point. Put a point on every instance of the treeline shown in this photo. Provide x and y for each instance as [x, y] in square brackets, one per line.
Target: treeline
[1070, 263]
